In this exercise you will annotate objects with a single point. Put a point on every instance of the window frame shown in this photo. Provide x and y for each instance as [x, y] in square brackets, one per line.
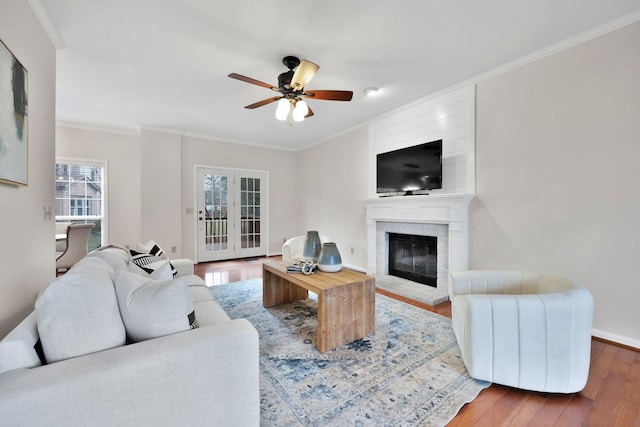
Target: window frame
[104, 193]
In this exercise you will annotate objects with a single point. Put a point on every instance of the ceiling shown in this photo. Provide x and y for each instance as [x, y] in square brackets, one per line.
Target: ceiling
[163, 64]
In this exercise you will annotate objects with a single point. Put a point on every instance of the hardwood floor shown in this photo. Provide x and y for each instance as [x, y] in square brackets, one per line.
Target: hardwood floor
[611, 397]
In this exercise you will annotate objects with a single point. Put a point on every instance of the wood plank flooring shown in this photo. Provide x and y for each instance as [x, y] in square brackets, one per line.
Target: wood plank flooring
[611, 397]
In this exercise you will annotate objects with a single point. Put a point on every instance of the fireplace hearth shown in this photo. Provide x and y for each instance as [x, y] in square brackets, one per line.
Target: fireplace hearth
[414, 258]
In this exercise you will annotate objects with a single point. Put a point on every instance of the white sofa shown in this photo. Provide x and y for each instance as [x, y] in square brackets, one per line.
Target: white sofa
[199, 377]
[526, 330]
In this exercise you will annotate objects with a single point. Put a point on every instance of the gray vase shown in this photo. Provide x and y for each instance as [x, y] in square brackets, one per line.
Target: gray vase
[329, 260]
[312, 246]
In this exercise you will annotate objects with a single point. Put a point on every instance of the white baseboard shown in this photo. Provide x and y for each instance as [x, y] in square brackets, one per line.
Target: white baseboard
[354, 267]
[616, 338]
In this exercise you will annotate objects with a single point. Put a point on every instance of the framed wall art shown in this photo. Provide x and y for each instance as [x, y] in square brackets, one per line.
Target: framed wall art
[14, 126]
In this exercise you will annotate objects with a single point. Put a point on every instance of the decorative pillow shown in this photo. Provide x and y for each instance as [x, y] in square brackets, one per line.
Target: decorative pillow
[78, 313]
[153, 254]
[153, 308]
[152, 248]
[152, 266]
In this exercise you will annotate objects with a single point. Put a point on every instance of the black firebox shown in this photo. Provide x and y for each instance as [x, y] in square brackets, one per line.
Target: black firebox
[414, 258]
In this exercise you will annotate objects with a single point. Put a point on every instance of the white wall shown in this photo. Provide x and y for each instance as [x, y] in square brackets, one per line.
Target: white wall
[333, 177]
[122, 154]
[27, 252]
[161, 190]
[558, 145]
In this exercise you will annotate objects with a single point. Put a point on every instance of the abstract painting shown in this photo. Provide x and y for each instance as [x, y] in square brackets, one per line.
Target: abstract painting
[14, 128]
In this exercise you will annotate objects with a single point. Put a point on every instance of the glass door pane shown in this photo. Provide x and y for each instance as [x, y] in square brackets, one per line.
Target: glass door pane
[214, 211]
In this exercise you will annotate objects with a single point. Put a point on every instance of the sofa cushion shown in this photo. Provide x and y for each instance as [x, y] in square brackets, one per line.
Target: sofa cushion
[208, 313]
[152, 308]
[17, 348]
[78, 313]
[115, 255]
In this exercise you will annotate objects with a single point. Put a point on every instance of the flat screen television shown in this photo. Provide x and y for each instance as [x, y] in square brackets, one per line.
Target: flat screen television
[411, 170]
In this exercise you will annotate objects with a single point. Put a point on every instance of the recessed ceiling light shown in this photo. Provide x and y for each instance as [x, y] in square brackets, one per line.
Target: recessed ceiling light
[371, 91]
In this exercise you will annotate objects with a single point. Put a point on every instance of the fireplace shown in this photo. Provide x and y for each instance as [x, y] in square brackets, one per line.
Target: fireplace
[414, 258]
[442, 216]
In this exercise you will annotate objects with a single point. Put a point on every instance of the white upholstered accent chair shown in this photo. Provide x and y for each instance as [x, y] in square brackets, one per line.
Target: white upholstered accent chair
[526, 330]
[292, 249]
[76, 246]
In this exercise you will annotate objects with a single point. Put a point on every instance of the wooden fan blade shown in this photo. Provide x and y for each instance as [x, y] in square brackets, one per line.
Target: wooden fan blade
[305, 72]
[309, 114]
[263, 102]
[330, 95]
[252, 81]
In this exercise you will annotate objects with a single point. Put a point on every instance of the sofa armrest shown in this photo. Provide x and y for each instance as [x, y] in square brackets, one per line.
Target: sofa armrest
[206, 376]
[183, 266]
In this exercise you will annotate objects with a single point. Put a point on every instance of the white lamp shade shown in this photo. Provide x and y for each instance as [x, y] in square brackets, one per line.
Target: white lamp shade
[301, 110]
[283, 109]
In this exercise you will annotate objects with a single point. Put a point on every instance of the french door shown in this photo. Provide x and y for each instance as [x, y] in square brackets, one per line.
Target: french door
[231, 213]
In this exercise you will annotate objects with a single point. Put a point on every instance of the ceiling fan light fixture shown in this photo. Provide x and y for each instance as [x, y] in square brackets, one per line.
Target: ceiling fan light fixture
[282, 111]
[291, 86]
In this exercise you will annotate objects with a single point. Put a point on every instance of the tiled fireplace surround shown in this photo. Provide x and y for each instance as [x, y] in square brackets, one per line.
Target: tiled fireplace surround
[444, 216]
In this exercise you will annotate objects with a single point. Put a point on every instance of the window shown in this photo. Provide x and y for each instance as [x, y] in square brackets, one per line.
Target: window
[80, 190]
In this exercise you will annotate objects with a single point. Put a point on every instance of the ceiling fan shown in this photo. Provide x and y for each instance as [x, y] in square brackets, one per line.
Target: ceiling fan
[292, 88]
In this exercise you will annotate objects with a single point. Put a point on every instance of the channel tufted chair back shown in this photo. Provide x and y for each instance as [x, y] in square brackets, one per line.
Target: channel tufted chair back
[521, 329]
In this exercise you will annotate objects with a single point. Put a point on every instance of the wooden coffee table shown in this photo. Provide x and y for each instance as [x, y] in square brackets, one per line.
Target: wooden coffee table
[346, 300]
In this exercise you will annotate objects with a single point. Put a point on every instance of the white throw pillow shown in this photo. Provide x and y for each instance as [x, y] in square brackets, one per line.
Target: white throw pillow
[152, 308]
[78, 313]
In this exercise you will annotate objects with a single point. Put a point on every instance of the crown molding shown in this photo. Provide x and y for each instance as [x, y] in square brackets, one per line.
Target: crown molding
[95, 128]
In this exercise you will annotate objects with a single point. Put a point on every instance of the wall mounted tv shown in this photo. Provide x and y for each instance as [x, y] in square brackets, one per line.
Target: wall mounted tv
[409, 171]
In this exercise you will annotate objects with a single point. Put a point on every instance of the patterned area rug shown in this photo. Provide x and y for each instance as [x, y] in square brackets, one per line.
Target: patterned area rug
[409, 372]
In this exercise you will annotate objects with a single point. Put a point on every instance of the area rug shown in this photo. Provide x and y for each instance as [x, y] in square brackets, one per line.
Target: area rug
[409, 372]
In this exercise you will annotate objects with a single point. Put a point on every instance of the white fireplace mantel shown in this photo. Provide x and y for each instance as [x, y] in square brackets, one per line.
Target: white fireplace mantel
[449, 209]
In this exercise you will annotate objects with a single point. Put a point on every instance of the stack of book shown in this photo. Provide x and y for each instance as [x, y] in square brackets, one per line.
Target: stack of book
[302, 266]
